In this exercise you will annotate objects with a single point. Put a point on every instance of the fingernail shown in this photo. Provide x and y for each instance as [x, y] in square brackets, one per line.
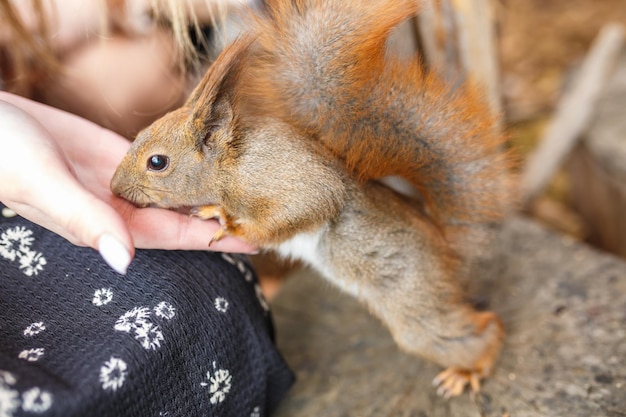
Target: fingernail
[114, 253]
[8, 213]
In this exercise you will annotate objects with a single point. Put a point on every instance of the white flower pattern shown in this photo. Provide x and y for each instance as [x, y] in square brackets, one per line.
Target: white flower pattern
[9, 398]
[15, 244]
[31, 263]
[165, 310]
[113, 374]
[221, 304]
[219, 384]
[13, 241]
[139, 322]
[102, 297]
[132, 319]
[149, 335]
[36, 401]
[33, 400]
[31, 355]
[34, 329]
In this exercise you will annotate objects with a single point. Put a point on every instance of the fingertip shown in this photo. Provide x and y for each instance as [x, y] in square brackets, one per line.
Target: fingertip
[114, 253]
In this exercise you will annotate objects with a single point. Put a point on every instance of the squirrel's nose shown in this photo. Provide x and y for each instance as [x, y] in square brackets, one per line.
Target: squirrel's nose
[119, 186]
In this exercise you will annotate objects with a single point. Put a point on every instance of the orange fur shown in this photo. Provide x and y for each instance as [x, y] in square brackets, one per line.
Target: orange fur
[459, 174]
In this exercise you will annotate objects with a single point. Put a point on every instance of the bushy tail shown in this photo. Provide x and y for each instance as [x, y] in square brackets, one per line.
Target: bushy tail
[323, 66]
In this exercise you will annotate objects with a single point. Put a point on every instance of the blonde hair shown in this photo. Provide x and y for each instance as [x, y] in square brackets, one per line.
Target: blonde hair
[28, 55]
[29, 58]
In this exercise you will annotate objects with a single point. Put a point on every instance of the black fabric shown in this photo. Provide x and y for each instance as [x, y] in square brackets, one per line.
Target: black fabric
[181, 334]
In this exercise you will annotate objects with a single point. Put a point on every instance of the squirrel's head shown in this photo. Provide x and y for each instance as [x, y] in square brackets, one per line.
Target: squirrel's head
[182, 159]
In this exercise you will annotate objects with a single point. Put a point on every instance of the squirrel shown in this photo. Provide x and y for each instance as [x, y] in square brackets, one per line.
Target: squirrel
[285, 141]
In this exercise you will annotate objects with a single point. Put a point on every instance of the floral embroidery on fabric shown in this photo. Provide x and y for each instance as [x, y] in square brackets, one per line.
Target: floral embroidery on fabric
[221, 304]
[15, 244]
[102, 296]
[149, 335]
[256, 412]
[138, 321]
[9, 398]
[133, 319]
[165, 310]
[34, 328]
[31, 355]
[36, 401]
[15, 241]
[31, 263]
[218, 383]
[33, 400]
[113, 374]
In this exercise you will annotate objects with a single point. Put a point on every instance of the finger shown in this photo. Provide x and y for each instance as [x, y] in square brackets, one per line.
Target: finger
[66, 208]
[117, 252]
[165, 229]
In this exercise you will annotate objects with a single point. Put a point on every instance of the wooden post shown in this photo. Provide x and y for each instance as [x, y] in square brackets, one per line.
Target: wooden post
[457, 38]
[573, 112]
[597, 168]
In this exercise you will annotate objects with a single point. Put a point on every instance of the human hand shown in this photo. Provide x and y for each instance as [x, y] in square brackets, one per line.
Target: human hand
[56, 173]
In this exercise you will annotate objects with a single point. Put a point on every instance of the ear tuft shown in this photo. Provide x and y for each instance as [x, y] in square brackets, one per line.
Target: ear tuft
[213, 99]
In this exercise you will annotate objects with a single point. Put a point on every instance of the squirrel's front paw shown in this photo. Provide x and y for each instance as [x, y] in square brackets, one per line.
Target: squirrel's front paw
[213, 212]
[209, 212]
[452, 382]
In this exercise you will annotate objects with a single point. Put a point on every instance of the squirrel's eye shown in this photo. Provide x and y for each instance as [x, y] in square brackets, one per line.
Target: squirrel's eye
[158, 162]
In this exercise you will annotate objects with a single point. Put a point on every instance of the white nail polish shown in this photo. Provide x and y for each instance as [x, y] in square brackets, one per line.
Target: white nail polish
[114, 253]
[8, 213]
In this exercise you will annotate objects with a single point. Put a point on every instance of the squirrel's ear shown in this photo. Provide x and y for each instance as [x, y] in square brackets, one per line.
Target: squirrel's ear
[213, 99]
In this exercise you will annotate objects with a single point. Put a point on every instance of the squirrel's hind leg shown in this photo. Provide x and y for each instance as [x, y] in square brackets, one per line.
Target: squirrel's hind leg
[391, 257]
[468, 346]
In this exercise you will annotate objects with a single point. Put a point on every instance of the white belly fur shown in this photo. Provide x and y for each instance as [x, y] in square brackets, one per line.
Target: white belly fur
[306, 247]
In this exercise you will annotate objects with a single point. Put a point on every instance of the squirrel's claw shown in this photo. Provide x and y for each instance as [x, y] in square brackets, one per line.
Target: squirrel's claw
[209, 212]
[219, 235]
[452, 382]
[213, 212]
